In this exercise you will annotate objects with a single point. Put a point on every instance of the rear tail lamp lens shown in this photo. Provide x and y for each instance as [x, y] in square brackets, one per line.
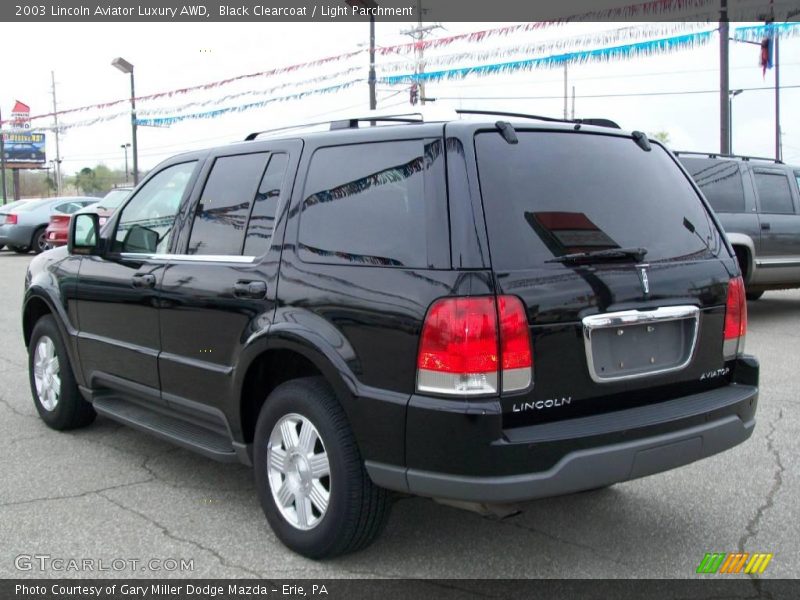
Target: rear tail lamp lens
[735, 319]
[463, 349]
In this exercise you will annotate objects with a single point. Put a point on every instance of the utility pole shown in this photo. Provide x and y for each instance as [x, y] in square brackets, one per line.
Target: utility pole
[573, 103]
[55, 128]
[2, 157]
[778, 145]
[724, 116]
[418, 34]
[566, 115]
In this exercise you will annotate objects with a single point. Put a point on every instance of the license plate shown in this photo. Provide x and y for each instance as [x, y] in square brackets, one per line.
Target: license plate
[633, 344]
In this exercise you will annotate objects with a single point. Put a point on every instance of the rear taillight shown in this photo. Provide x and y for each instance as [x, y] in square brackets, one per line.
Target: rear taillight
[60, 219]
[735, 319]
[11, 219]
[462, 349]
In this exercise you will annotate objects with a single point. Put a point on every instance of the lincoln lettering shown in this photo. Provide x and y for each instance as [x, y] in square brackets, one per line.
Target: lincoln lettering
[540, 404]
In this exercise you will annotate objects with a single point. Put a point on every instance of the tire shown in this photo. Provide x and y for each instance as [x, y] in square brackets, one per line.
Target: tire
[753, 296]
[58, 401]
[39, 241]
[356, 511]
[2, 246]
[20, 249]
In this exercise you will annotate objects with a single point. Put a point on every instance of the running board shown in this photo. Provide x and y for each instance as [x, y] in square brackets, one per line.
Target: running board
[162, 425]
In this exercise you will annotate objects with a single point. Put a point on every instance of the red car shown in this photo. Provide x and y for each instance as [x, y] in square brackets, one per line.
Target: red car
[58, 229]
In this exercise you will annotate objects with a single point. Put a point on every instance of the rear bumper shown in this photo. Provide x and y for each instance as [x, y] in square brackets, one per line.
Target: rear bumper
[582, 453]
[15, 235]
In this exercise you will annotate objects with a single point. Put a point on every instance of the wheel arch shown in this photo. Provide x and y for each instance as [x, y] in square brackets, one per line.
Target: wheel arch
[285, 354]
[743, 245]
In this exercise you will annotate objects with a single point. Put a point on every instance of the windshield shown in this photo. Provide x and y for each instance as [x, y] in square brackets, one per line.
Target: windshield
[113, 198]
[560, 193]
[26, 205]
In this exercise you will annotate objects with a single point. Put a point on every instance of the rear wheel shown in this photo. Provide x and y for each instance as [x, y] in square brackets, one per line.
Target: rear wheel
[39, 241]
[753, 295]
[55, 392]
[311, 480]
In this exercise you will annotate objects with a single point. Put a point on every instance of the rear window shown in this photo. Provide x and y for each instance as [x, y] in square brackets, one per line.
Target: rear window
[720, 182]
[559, 193]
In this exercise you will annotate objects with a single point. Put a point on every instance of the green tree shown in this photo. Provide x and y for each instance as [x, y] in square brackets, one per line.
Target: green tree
[662, 136]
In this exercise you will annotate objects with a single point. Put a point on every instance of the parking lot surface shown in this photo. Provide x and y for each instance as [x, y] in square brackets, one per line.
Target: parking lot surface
[109, 493]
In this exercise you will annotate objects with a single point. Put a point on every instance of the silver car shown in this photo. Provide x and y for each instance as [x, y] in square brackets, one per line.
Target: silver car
[23, 224]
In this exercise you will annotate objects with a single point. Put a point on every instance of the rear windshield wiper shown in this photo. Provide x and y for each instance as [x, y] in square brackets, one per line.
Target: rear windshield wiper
[602, 255]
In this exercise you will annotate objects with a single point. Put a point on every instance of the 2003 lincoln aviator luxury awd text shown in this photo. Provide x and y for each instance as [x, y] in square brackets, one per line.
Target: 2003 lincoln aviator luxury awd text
[488, 309]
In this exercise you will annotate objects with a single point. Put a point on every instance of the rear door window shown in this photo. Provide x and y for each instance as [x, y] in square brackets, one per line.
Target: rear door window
[774, 193]
[558, 193]
[221, 216]
[265, 206]
[720, 181]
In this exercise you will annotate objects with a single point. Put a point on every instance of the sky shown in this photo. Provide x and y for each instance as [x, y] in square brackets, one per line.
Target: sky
[168, 56]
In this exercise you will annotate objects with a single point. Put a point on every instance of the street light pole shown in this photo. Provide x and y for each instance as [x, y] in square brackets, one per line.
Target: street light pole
[125, 148]
[126, 67]
[370, 4]
[2, 158]
[731, 95]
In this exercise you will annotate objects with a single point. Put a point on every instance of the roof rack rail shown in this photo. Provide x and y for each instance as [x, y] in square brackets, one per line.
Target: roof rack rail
[350, 123]
[720, 155]
[353, 123]
[599, 122]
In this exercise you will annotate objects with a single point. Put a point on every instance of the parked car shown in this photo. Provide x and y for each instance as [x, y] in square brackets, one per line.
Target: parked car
[758, 203]
[22, 227]
[56, 234]
[4, 208]
[483, 310]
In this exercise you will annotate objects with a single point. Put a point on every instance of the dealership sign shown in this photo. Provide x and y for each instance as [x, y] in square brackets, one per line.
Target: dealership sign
[20, 144]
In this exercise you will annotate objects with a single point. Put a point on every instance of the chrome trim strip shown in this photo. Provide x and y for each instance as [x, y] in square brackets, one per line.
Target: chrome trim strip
[638, 317]
[189, 257]
[768, 263]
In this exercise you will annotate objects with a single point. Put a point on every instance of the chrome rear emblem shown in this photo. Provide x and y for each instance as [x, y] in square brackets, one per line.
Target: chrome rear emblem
[645, 282]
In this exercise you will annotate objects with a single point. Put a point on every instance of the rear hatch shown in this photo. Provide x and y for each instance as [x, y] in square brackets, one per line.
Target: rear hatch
[619, 266]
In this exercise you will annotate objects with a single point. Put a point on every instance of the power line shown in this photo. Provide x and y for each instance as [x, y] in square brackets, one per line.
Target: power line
[630, 94]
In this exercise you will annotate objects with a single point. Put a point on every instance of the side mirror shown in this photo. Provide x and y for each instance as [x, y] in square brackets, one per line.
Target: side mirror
[84, 234]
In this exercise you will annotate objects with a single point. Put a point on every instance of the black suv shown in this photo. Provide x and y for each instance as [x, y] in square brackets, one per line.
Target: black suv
[757, 201]
[479, 310]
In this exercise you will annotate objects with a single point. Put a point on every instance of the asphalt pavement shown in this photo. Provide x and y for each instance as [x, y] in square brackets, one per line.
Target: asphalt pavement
[122, 499]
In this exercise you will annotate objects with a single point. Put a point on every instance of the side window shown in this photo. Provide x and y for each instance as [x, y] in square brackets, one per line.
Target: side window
[146, 221]
[221, 216]
[265, 207]
[774, 193]
[720, 182]
[67, 208]
[797, 177]
[365, 205]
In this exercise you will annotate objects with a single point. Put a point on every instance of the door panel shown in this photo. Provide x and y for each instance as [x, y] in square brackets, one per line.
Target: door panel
[118, 320]
[779, 259]
[117, 294]
[213, 298]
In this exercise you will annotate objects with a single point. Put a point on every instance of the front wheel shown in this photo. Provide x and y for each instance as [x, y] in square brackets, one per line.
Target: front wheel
[311, 480]
[55, 392]
[20, 249]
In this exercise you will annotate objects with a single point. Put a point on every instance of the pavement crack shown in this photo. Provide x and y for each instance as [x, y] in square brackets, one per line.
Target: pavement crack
[73, 496]
[15, 410]
[173, 536]
[594, 551]
[751, 529]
